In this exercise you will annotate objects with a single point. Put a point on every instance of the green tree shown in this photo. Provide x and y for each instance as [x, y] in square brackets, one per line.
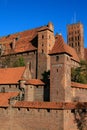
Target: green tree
[46, 80]
[79, 74]
[19, 62]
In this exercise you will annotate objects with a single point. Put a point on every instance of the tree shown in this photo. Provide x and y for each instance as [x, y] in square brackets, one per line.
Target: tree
[6, 61]
[80, 116]
[19, 62]
[46, 80]
[79, 74]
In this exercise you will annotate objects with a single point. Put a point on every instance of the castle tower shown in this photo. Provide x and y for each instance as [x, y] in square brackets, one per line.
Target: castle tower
[60, 75]
[75, 38]
[45, 44]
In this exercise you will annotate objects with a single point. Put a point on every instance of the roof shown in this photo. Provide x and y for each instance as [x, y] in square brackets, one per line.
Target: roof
[22, 41]
[78, 85]
[11, 75]
[49, 105]
[61, 47]
[34, 82]
[85, 53]
[4, 97]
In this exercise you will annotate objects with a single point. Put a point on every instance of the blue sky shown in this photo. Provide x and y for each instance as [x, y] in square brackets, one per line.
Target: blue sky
[20, 15]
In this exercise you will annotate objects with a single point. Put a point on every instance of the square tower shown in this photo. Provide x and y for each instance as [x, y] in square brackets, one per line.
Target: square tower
[45, 43]
[60, 72]
[75, 38]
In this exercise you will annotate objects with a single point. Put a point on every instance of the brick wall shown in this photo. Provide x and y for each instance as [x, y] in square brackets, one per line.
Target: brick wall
[34, 93]
[36, 119]
[60, 78]
[29, 57]
[79, 94]
[9, 88]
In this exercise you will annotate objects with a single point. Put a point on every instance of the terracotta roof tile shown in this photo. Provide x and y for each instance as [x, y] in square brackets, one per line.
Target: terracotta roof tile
[49, 105]
[78, 85]
[4, 97]
[22, 41]
[11, 75]
[85, 53]
[61, 47]
[34, 82]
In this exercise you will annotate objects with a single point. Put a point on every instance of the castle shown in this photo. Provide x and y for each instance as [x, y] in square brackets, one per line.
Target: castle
[22, 106]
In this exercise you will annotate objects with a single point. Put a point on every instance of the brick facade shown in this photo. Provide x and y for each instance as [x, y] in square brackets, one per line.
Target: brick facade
[75, 38]
[36, 119]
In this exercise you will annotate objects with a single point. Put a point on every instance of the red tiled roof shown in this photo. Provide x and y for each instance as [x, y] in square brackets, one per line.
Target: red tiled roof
[48, 105]
[61, 47]
[4, 97]
[78, 85]
[11, 75]
[21, 46]
[23, 42]
[85, 53]
[34, 82]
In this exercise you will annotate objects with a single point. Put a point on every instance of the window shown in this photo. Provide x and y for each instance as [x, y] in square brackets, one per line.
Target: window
[27, 109]
[78, 43]
[72, 44]
[57, 58]
[78, 37]
[3, 89]
[18, 109]
[30, 66]
[11, 45]
[42, 51]
[42, 36]
[48, 110]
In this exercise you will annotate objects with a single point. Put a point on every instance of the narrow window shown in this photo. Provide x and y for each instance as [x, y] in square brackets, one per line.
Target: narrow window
[72, 44]
[27, 109]
[18, 109]
[30, 66]
[11, 45]
[42, 36]
[78, 43]
[48, 110]
[57, 58]
[42, 51]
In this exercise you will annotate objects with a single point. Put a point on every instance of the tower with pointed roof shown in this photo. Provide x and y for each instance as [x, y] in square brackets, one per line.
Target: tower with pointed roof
[75, 38]
[60, 90]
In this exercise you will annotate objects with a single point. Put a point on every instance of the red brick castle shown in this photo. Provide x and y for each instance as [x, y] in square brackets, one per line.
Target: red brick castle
[22, 105]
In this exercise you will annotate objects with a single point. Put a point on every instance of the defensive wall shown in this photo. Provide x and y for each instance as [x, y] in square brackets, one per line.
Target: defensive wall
[38, 116]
